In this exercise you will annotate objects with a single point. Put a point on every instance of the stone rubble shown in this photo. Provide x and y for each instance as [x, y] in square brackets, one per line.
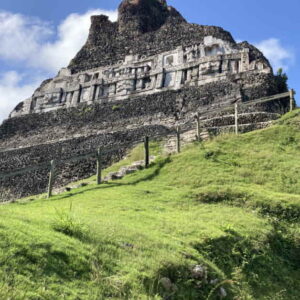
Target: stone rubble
[134, 167]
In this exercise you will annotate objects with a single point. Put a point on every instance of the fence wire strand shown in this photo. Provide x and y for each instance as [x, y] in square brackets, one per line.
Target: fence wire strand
[169, 131]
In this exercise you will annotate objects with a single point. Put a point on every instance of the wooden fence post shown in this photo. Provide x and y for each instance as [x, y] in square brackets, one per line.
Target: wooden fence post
[236, 118]
[198, 127]
[292, 99]
[178, 139]
[51, 178]
[99, 166]
[147, 157]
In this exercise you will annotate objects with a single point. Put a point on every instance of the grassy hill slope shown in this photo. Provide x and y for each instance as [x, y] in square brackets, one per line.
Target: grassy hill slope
[218, 221]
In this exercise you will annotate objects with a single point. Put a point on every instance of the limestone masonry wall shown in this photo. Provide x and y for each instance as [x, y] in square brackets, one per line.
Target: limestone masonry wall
[211, 61]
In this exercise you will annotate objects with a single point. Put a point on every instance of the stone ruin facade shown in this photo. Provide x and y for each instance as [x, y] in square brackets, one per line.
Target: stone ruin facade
[142, 75]
[137, 75]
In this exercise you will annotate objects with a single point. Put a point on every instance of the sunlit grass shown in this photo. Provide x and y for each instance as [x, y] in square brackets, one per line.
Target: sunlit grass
[231, 204]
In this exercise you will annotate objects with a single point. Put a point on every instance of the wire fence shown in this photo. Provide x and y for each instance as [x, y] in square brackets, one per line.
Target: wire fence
[98, 155]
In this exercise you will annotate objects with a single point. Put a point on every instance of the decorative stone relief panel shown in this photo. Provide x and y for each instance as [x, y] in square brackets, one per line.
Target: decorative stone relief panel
[214, 59]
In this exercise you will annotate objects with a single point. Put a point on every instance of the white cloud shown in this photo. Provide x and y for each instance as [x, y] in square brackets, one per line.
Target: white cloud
[21, 36]
[12, 91]
[26, 39]
[72, 34]
[39, 49]
[279, 55]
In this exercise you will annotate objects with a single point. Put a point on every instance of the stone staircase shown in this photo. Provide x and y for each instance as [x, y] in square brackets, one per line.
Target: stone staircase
[134, 167]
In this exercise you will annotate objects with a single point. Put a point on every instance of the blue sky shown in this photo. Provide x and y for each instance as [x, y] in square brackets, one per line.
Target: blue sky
[39, 37]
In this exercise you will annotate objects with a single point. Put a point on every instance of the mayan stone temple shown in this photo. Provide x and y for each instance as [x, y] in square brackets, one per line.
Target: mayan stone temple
[149, 50]
[140, 76]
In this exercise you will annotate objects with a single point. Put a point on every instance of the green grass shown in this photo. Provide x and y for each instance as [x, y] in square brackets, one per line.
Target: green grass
[231, 205]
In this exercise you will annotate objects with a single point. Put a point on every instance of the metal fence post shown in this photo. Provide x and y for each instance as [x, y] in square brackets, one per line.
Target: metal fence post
[51, 178]
[99, 166]
[236, 118]
[147, 157]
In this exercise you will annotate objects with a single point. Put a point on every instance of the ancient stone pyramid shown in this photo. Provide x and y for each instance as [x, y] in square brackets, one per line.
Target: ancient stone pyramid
[142, 75]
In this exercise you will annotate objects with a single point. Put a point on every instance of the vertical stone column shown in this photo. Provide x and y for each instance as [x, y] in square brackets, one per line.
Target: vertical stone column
[189, 75]
[233, 67]
[202, 51]
[139, 84]
[153, 82]
[245, 61]
[178, 79]
[28, 105]
[76, 96]
[112, 89]
[225, 66]
[74, 100]
[160, 80]
[92, 93]
[69, 98]
[98, 92]
[63, 98]
[160, 61]
[180, 54]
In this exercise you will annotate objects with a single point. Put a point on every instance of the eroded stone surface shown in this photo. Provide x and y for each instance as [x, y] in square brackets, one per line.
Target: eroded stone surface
[176, 55]
[211, 61]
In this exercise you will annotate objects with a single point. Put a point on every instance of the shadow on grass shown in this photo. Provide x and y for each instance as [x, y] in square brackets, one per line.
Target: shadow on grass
[156, 169]
[229, 196]
[268, 261]
[44, 258]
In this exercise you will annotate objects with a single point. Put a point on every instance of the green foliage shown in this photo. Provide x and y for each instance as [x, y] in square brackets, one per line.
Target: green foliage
[68, 224]
[230, 205]
[116, 107]
[281, 81]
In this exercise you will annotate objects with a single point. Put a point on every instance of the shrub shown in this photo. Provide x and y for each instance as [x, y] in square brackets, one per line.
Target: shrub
[67, 224]
[116, 107]
[222, 195]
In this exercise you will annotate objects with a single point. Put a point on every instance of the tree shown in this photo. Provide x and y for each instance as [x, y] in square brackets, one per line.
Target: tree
[281, 81]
